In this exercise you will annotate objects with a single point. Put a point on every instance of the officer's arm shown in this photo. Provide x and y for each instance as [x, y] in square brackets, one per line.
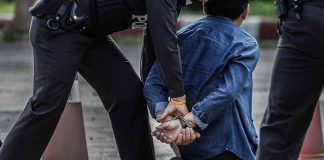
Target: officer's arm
[162, 19]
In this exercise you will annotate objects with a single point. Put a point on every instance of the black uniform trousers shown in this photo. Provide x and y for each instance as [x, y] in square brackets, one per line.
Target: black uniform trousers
[58, 55]
[296, 84]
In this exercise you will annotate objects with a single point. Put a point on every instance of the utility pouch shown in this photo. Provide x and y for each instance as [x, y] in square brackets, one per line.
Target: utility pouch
[38, 8]
[74, 18]
[281, 8]
[41, 7]
[69, 17]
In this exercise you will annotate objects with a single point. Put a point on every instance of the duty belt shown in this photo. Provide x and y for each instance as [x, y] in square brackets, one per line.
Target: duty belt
[296, 5]
[61, 19]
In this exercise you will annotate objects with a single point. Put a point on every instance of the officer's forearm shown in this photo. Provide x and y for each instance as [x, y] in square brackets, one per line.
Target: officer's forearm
[162, 17]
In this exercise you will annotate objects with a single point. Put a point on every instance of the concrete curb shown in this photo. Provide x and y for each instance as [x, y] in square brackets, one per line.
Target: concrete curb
[263, 29]
[5, 20]
[3, 23]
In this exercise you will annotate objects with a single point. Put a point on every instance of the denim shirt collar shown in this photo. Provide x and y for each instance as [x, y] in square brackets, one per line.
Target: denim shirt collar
[213, 19]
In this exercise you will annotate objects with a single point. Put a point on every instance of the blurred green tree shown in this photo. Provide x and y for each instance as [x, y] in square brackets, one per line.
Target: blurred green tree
[19, 26]
[196, 4]
[7, 1]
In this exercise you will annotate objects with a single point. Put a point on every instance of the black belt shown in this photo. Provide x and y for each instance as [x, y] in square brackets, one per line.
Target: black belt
[297, 5]
[306, 2]
[55, 21]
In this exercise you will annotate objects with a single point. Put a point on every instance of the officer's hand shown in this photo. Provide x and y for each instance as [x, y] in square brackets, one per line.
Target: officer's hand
[174, 110]
[168, 118]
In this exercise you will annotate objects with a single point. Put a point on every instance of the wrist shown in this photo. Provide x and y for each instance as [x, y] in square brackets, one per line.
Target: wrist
[186, 122]
[189, 117]
[180, 98]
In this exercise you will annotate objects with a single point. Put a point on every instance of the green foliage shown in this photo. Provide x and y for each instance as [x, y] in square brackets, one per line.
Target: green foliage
[262, 8]
[15, 36]
[7, 1]
[6, 6]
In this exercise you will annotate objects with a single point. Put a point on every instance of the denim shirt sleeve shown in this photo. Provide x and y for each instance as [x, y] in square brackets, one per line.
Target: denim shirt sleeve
[155, 90]
[231, 83]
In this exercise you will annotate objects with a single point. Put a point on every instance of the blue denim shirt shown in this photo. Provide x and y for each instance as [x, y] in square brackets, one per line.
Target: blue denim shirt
[218, 58]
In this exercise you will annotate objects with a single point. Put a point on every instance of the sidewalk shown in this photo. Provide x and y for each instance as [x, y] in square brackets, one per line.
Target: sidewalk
[16, 87]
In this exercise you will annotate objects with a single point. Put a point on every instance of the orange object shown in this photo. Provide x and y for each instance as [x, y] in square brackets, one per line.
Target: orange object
[313, 148]
[69, 141]
[178, 102]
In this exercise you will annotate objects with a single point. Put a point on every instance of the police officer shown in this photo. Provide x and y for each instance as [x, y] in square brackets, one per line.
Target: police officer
[297, 80]
[69, 37]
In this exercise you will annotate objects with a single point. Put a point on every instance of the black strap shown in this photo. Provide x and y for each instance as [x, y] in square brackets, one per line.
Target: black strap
[93, 23]
[84, 4]
[64, 7]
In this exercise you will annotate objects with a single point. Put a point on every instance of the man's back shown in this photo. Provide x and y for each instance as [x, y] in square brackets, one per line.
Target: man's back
[206, 47]
[218, 58]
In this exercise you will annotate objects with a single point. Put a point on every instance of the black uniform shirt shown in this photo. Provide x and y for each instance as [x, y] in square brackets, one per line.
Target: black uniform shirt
[160, 39]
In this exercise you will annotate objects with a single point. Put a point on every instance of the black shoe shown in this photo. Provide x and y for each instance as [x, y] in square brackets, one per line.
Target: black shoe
[176, 158]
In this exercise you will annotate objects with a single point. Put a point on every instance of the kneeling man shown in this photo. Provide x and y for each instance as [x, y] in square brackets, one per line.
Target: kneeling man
[218, 58]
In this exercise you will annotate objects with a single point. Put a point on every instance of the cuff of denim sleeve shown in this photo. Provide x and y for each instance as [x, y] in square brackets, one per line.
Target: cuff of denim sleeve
[199, 123]
[157, 108]
[197, 110]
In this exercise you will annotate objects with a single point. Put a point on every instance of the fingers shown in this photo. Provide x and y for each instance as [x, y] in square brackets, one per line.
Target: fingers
[193, 135]
[171, 131]
[188, 136]
[168, 132]
[173, 109]
[156, 134]
[182, 138]
[163, 126]
[168, 111]
[185, 137]
[158, 116]
[179, 140]
[167, 140]
[169, 125]
[161, 137]
[197, 135]
[162, 117]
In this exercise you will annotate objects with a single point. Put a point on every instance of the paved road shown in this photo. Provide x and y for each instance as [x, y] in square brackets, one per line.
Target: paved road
[16, 87]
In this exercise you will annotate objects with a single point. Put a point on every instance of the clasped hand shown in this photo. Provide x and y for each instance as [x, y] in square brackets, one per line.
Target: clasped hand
[170, 130]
